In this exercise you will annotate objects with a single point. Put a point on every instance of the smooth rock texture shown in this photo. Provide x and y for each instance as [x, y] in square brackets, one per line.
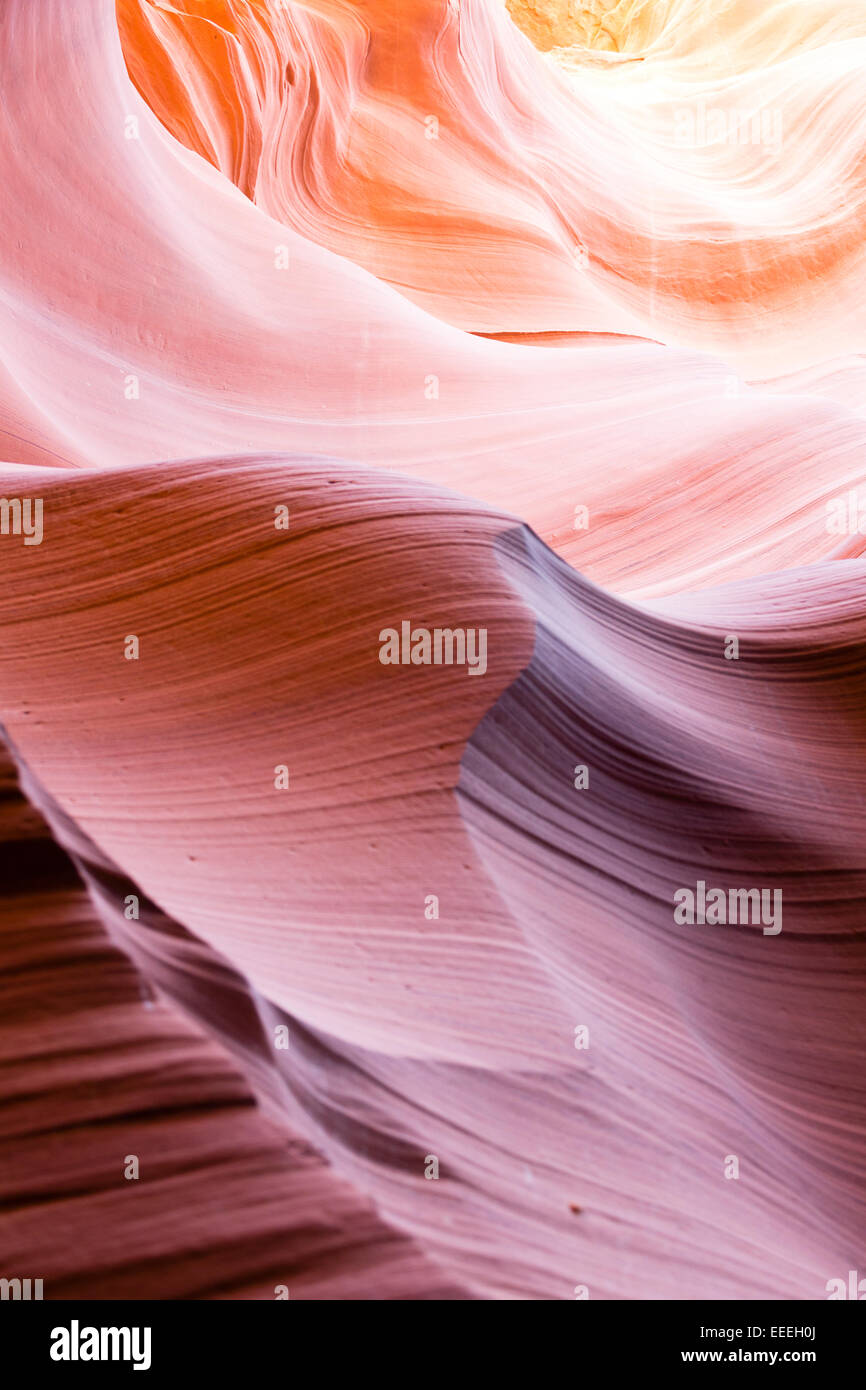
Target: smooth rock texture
[319, 320]
[98, 1068]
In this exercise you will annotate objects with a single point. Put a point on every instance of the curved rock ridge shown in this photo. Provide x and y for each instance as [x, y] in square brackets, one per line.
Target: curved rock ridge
[709, 195]
[180, 334]
[228, 1202]
[187, 559]
[430, 905]
[693, 768]
[433, 648]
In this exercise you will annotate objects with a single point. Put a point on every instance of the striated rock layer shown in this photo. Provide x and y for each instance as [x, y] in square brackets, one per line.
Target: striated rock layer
[452, 1035]
[336, 338]
[98, 1070]
[706, 189]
